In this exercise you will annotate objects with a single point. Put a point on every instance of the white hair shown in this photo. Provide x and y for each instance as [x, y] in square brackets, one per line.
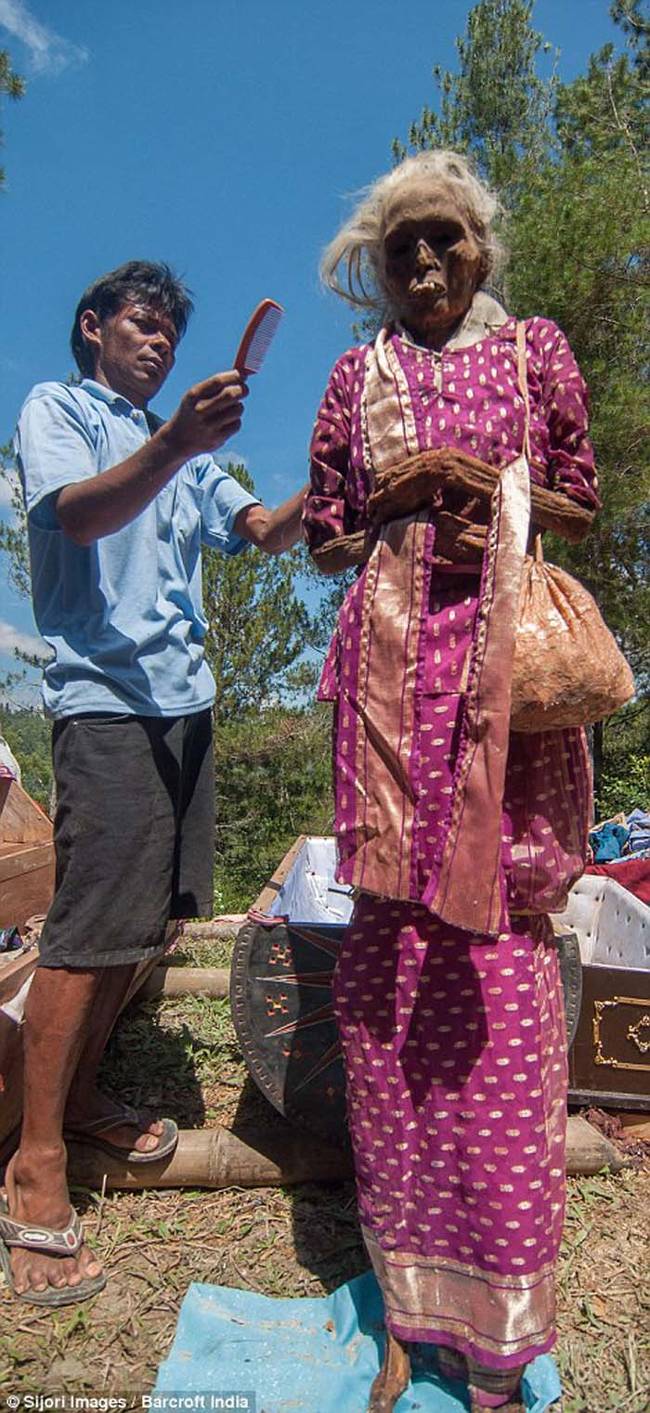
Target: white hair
[352, 264]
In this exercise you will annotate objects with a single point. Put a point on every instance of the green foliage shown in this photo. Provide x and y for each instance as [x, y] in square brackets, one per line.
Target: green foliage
[496, 106]
[625, 779]
[11, 86]
[273, 782]
[580, 254]
[570, 161]
[28, 734]
[258, 627]
[272, 757]
[13, 533]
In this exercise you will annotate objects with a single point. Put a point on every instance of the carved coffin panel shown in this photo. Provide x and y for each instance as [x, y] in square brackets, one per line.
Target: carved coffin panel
[610, 1059]
[281, 998]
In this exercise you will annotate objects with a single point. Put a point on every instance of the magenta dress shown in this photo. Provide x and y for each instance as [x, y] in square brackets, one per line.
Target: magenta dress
[452, 1035]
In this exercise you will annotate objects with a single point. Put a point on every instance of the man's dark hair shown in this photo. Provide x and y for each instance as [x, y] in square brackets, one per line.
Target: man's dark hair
[140, 282]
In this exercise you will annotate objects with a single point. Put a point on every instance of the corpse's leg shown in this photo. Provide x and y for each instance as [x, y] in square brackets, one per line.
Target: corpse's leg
[57, 1014]
[393, 1377]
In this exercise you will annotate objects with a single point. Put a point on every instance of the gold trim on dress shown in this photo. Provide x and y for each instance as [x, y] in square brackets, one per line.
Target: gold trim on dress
[501, 1313]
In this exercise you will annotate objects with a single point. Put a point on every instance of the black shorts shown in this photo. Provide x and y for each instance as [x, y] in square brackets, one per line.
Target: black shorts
[133, 833]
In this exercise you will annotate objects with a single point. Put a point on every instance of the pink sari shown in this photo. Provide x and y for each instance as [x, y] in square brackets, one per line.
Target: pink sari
[460, 839]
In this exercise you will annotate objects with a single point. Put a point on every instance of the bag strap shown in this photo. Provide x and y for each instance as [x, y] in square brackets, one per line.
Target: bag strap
[522, 379]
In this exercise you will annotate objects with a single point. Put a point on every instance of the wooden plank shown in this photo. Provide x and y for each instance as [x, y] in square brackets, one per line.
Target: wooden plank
[272, 888]
[27, 893]
[11, 1081]
[27, 863]
[22, 821]
[14, 970]
[635, 1126]
[23, 858]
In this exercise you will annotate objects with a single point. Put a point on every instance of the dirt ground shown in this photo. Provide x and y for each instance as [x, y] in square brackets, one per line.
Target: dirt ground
[294, 1241]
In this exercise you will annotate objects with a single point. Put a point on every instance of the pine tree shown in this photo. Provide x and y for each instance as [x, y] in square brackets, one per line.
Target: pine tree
[496, 106]
[11, 86]
[570, 161]
[257, 626]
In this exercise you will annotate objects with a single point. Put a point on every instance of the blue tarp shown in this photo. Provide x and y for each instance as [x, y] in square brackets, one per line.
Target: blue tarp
[307, 1356]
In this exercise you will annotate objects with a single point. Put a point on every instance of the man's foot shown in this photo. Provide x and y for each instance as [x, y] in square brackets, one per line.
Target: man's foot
[36, 1197]
[392, 1378]
[124, 1129]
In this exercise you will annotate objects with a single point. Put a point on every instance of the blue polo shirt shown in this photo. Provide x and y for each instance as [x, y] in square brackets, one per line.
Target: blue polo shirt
[123, 616]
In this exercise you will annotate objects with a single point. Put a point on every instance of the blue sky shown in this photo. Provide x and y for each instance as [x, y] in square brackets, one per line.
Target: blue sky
[224, 137]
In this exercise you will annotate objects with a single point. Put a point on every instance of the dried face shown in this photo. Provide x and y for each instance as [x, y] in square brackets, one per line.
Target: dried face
[433, 263]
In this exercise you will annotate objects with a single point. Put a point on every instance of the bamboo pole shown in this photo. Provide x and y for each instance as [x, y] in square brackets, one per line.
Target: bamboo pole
[186, 981]
[278, 1157]
[217, 1158]
[212, 931]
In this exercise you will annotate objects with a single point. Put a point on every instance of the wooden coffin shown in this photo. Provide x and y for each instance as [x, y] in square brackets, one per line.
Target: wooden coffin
[282, 1004]
[26, 888]
[12, 979]
[26, 856]
[609, 1061]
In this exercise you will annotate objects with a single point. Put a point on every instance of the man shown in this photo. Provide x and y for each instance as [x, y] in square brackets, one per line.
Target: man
[118, 505]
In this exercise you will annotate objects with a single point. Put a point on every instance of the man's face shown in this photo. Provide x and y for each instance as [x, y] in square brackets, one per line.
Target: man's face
[134, 350]
[432, 259]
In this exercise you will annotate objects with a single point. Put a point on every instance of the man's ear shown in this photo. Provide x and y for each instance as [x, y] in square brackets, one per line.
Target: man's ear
[91, 330]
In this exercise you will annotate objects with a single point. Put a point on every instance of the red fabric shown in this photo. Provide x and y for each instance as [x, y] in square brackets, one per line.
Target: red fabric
[633, 875]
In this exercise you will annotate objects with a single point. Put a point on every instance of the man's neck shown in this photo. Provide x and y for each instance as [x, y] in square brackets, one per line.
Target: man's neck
[134, 398]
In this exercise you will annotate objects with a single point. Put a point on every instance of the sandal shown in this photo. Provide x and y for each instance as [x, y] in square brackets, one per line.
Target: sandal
[87, 1133]
[65, 1242]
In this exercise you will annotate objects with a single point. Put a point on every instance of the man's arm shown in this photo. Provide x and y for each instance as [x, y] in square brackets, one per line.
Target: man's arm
[207, 416]
[272, 530]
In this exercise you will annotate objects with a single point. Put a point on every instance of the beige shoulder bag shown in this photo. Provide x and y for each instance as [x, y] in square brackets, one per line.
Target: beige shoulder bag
[568, 669]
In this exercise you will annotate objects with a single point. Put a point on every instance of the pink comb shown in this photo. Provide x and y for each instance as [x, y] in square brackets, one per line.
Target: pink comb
[257, 336]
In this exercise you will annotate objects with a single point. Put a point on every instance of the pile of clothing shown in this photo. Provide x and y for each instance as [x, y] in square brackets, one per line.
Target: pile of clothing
[621, 850]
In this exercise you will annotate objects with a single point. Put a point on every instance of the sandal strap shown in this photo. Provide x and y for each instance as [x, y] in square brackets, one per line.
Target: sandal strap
[38, 1238]
[127, 1115]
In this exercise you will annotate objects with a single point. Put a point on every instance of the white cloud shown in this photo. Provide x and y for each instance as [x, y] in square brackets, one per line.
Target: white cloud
[11, 638]
[49, 52]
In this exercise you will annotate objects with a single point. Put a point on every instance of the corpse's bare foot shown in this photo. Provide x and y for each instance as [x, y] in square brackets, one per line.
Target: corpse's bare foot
[36, 1194]
[393, 1377]
[88, 1107]
[509, 1407]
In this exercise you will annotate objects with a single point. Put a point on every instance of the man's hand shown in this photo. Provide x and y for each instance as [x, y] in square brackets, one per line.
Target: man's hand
[273, 530]
[208, 414]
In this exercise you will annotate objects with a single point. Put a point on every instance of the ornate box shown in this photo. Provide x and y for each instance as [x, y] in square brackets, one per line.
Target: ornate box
[282, 1005]
[609, 1060]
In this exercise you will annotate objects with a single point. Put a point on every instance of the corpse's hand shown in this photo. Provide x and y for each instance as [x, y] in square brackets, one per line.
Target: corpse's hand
[208, 414]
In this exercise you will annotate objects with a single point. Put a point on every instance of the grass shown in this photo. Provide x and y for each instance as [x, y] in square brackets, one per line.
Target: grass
[181, 1056]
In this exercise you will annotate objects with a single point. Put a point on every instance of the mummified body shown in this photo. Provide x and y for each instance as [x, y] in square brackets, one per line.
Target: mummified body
[459, 835]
